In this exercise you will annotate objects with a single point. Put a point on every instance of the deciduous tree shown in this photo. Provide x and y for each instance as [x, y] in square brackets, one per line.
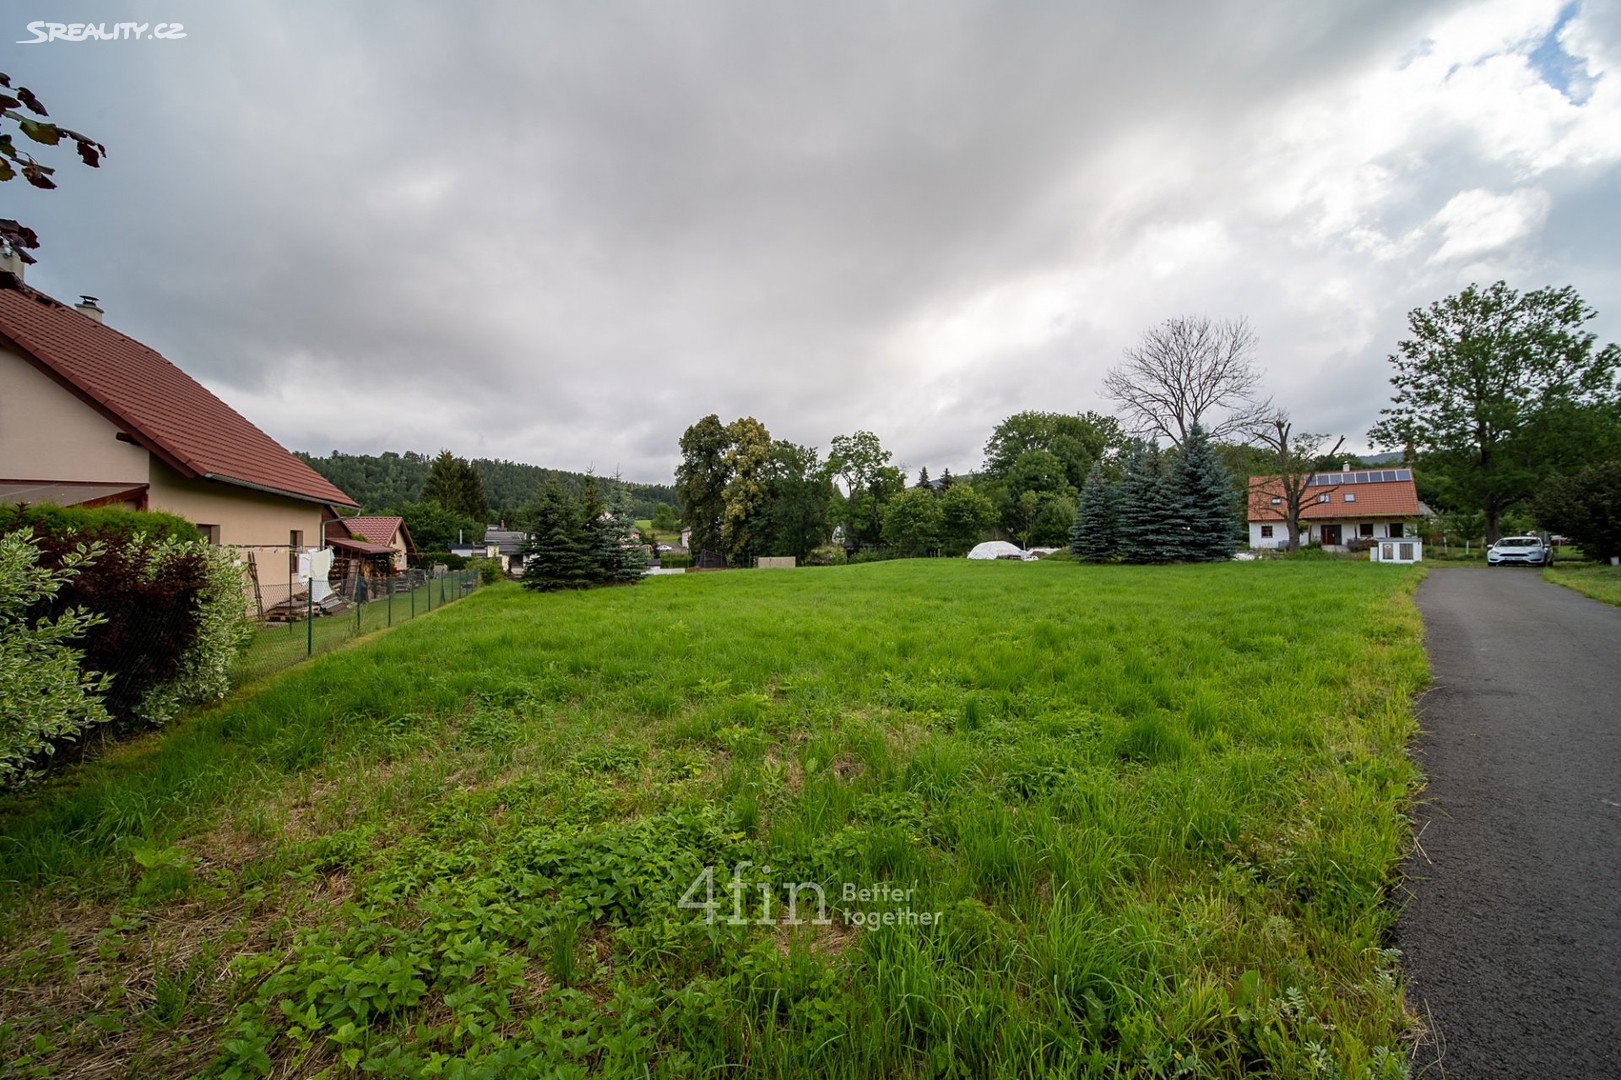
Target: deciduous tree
[1295, 458]
[800, 494]
[700, 481]
[1585, 507]
[1188, 370]
[912, 523]
[746, 496]
[861, 461]
[965, 517]
[1481, 386]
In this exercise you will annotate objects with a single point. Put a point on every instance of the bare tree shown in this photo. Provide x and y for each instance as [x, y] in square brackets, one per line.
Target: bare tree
[1189, 370]
[1295, 456]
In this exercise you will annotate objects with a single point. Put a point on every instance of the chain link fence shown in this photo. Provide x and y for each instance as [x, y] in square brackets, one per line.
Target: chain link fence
[304, 624]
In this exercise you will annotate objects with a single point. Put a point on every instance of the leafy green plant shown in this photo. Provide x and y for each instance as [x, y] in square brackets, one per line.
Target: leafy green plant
[45, 695]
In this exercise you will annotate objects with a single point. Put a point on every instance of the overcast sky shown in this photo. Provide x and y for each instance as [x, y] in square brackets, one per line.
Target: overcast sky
[561, 232]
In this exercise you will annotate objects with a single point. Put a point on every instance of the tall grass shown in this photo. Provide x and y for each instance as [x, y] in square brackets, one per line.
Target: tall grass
[1152, 814]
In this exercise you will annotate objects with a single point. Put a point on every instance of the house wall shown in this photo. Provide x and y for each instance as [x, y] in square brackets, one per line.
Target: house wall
[46, 433]
[1313, 532]
[246, 518]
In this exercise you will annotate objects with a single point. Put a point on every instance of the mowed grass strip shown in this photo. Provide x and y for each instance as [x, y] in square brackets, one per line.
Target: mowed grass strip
[1151, 815]
[1596, 580]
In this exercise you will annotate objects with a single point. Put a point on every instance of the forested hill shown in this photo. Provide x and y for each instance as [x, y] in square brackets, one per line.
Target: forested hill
[384, 481]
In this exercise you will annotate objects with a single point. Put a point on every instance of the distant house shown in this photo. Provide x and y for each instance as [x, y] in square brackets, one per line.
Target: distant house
[91, 417]
[1338, 508]
[507, 546]
[373, 536]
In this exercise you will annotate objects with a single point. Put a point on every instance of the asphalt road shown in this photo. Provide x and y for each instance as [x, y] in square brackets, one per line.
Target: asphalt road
[1512, 932]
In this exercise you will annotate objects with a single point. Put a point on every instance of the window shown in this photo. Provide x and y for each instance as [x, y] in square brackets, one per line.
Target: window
[295, 541]
[1266, 532]
[210, 533]
[1350, 496]
[1277, 500]
[1394, 530]
[1323, 498]
[1365, 529]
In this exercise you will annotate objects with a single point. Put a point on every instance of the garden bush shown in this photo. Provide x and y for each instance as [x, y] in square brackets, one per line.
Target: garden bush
[675, 562]
[826, 555]
[170, 614]
[109, 523]
[451, 561]
[45, 696]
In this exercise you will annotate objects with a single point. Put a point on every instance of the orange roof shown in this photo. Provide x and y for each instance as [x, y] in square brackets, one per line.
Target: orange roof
[377, 528]
[1373, 499]
[161, 407]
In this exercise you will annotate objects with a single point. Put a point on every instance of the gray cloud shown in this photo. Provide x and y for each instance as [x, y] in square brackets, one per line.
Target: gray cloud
[560, 233]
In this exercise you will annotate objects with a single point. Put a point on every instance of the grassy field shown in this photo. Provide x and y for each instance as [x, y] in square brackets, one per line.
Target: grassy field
[1591, 579]
[1067, 820]
[278, 645]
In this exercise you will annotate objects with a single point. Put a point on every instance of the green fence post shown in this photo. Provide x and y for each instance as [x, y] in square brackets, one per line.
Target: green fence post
[390, 599]
[309, 617]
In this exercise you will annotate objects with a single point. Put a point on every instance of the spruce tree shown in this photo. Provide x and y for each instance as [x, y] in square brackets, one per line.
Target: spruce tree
[923, 478]
[946, 480]
[1209, 494]
[1178, 542]
[1140, 510]
[1095, 536]
[473, 502]
[558, 552]
[620, 558]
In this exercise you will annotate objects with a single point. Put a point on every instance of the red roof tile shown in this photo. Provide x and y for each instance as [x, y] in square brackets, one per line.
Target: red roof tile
[377, 528]
[1389, 498]
[163, 408]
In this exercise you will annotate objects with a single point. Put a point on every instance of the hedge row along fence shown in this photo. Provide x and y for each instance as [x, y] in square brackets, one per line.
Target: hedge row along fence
[111, 623]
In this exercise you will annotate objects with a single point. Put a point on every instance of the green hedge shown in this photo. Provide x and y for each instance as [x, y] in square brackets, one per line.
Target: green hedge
[431, 558]
[106, 523]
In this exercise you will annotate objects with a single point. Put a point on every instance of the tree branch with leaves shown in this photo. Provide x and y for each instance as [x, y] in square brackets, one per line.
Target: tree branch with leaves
[16, 161]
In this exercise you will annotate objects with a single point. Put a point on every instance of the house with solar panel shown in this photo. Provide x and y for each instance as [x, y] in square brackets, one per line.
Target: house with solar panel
[91, 417]
[1353, 509]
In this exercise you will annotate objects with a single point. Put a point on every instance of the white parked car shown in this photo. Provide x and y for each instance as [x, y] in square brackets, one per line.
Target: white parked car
[1530, 550]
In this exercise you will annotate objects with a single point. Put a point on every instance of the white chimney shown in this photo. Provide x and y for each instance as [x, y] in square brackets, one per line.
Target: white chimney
[88, 305]
[11, 261]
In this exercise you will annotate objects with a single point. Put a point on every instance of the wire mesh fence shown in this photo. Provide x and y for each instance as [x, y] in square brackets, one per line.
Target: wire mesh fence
[310, 622]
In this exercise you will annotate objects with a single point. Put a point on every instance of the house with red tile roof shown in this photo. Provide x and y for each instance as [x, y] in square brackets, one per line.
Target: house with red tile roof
[90, 416]
[373, 534]
[1339, 507]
